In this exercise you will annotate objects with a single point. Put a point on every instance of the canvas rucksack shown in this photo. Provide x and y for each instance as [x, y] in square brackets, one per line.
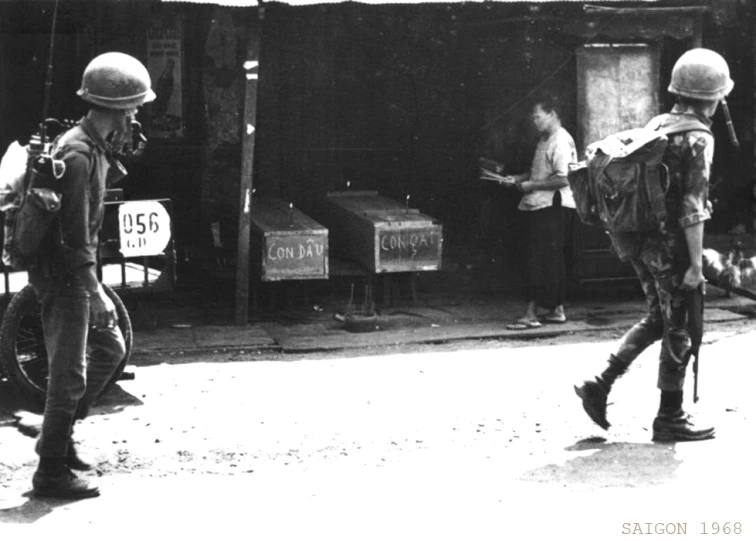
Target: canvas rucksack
[622, 183]
[31, 199]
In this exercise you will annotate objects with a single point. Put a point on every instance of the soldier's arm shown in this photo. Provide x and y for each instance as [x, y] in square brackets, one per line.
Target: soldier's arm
[694, 199]
[78, 257]
[694, 237]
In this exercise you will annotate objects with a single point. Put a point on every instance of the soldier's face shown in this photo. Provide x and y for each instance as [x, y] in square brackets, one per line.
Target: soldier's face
[710, 108]
[122, 132]
[129, 115]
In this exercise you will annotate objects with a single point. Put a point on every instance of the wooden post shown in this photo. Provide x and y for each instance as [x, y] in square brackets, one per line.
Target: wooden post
[697, 30]
[251, 71]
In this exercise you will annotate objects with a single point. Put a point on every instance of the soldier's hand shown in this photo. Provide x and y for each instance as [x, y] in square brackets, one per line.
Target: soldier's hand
[693, 277]
[102, 311]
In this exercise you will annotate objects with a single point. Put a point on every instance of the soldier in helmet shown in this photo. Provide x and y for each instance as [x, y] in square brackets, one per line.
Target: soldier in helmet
[83, 340]
[669, 261]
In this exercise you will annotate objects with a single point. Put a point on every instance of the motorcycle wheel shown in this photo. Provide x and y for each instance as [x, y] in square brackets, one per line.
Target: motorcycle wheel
[22, 345]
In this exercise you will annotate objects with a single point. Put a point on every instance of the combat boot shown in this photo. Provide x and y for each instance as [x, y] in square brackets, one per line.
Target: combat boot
[54, 479]
[679, 426]
[74, 460]
[594, 395]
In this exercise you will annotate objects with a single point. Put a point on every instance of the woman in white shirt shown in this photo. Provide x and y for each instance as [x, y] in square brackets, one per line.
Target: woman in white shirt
[548, 204]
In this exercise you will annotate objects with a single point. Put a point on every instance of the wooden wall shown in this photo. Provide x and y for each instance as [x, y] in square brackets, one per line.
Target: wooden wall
[404, 100]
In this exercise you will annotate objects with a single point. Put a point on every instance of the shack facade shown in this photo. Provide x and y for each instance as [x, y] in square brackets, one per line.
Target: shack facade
[402, 99]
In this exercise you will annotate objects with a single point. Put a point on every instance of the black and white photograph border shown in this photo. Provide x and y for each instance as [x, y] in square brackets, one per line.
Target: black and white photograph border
[328, 340]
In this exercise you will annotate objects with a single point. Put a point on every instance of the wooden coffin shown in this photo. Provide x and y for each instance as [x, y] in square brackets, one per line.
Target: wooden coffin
[286, 244]
[382, 234]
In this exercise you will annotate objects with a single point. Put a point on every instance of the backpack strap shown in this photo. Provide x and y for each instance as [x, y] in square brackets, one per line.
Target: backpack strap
[672, 123]
[64, 145]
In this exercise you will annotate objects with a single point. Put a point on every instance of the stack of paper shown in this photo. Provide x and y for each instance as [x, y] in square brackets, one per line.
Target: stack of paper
[493, 170]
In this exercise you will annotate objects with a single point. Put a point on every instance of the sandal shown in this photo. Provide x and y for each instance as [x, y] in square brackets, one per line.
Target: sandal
[523, 324]
[555, 315]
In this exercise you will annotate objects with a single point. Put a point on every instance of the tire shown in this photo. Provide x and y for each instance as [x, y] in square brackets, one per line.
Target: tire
[23, 356]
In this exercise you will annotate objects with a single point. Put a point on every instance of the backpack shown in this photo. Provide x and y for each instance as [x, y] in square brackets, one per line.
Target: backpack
[30, 199]
[623, 181]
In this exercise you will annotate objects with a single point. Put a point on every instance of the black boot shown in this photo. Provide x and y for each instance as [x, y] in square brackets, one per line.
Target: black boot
[54, 479]
[673, 424]
[594, 395]
[75, 460]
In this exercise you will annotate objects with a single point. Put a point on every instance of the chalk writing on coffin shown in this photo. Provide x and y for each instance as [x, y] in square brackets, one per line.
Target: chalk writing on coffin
[410, 245]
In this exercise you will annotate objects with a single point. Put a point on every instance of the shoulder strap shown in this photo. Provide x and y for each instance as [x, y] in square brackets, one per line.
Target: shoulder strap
[78, 145]
[75, 140]
[671, 123]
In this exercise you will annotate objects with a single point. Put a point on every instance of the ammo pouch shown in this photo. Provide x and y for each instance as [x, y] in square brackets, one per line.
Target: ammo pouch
[28, 225]
[34, 219]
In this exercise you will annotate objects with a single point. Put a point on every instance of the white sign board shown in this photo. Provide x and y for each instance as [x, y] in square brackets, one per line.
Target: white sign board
[145, 228]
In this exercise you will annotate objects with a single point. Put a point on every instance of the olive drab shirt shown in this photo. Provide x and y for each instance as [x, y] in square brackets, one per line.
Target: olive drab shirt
[89, 169]
[688, 157]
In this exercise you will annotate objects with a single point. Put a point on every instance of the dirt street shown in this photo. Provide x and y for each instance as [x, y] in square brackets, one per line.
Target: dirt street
[473, 440]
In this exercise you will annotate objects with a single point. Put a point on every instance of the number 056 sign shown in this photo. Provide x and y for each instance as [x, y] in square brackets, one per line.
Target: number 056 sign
[145, 228]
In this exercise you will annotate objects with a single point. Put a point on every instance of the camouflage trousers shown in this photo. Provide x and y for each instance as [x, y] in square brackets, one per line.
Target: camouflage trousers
[660, 263]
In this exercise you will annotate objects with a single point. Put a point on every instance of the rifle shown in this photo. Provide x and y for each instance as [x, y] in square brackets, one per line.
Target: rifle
[695, 304]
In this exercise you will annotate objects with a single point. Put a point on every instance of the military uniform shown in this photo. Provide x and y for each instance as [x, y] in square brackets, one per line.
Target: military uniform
[83, 342]
[660, 258]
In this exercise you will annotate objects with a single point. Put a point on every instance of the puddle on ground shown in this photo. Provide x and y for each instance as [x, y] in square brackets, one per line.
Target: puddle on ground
[612, 464]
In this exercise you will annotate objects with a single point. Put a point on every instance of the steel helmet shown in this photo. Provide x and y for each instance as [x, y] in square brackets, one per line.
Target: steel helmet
[116, 81]
[701, 74]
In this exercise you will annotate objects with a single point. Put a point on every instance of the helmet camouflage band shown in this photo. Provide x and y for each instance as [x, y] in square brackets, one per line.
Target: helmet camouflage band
[116, 81]
[701, 74]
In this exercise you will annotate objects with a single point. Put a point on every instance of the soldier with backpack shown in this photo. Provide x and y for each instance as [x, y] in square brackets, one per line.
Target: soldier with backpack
[83, 341]
[668, 257]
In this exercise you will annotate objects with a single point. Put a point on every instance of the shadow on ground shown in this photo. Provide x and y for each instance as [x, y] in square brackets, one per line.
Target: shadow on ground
[611, 465]
[31, 510]
[113, 401]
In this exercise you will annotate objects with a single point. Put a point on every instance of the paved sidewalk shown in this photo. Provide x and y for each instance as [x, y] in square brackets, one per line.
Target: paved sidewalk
[460, 302]
[306, 329]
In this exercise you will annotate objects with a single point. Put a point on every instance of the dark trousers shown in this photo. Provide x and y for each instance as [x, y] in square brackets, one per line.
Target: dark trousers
[81, 360]
[549, 230]
[660, 272]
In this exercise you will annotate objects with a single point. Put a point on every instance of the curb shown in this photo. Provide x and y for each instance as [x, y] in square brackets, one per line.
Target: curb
[271, 337]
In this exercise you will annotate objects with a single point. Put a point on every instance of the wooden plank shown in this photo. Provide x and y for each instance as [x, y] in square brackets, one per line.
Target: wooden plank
[618, 89]
[247, 171]
[274, 215]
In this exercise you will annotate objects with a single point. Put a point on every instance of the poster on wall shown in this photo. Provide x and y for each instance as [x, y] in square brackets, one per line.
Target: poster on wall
[164, 54]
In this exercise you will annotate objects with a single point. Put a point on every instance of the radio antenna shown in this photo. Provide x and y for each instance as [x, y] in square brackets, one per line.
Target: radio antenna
[48, 76]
